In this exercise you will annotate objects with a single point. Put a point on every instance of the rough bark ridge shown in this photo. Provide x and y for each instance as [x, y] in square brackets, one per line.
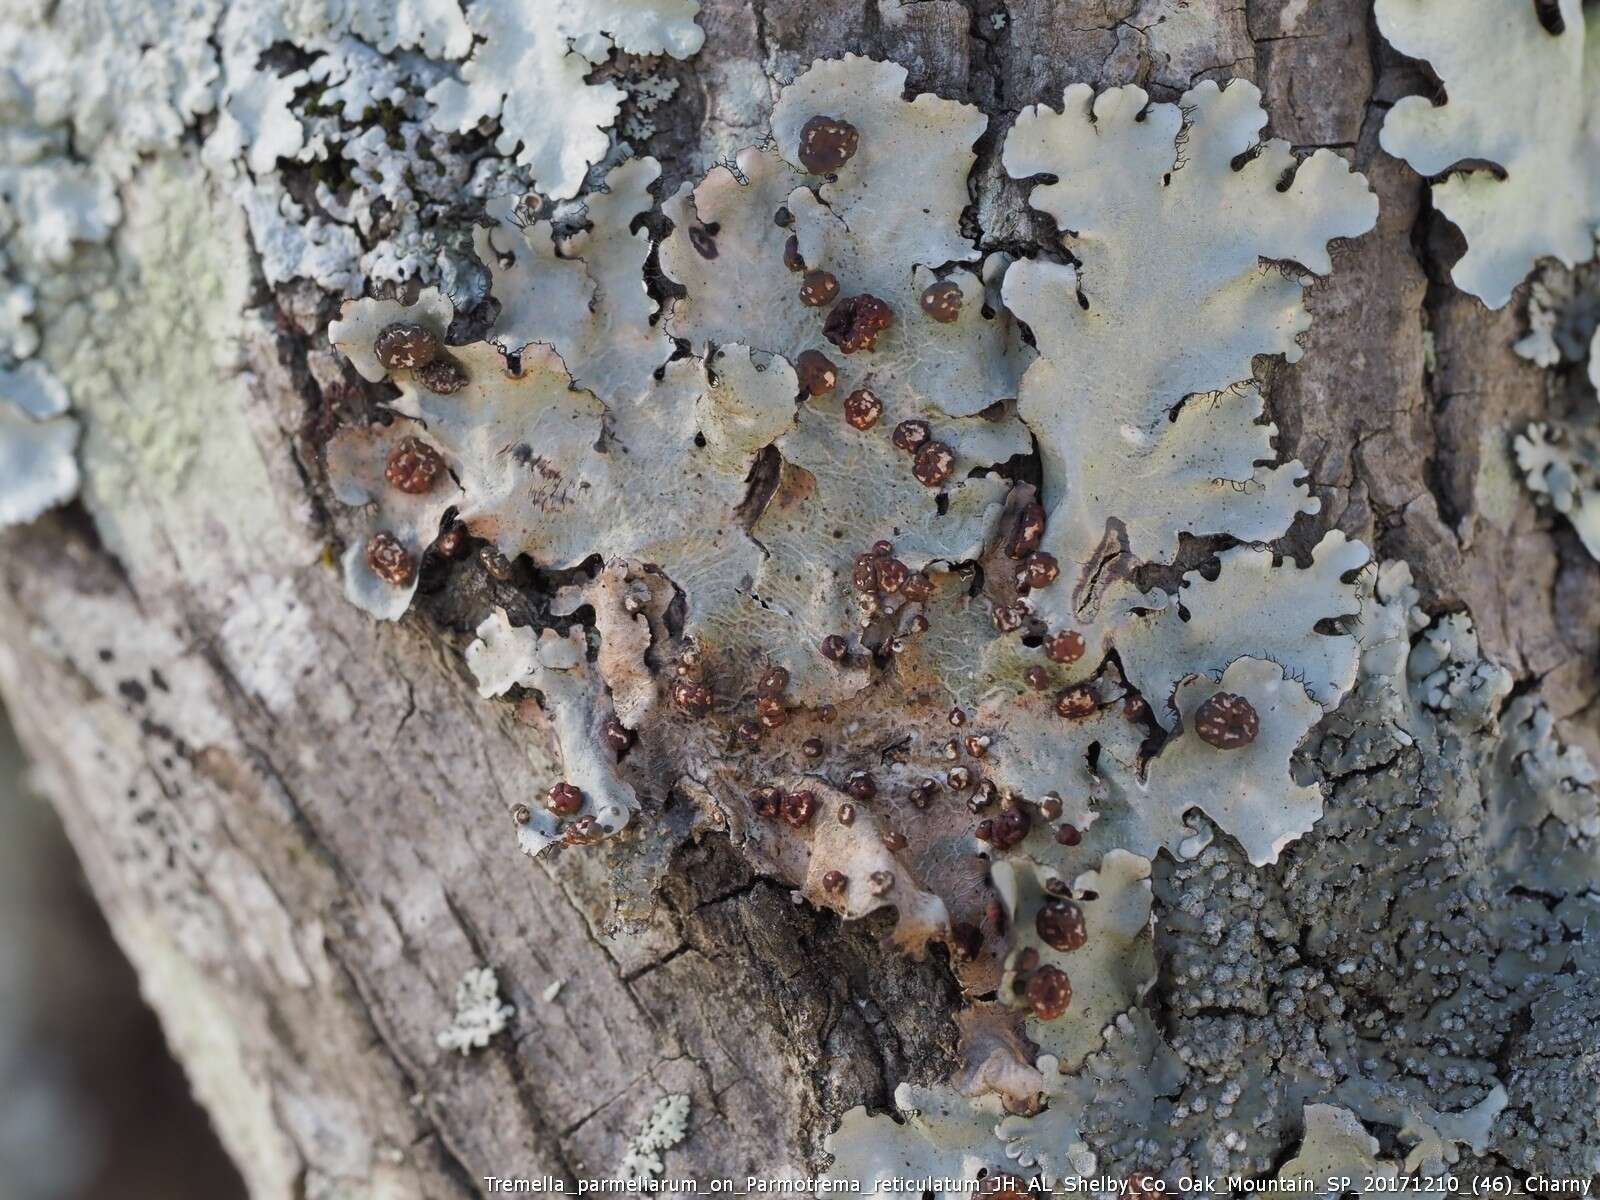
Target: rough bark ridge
[296, 817]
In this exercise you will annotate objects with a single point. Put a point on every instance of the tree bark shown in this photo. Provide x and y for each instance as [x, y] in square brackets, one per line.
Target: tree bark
[296, 818]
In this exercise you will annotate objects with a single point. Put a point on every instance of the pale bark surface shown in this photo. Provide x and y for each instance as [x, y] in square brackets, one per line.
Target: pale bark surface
[302, 874]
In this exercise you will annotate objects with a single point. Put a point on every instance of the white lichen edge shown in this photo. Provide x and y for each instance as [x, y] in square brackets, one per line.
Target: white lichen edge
[479, 1015]
[1520, 98]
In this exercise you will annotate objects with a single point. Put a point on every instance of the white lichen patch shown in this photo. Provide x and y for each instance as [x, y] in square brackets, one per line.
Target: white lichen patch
[530, 76]
[1286, 604]
[621, 605]
[1250, 791]
[38, 468]
[585, 294]
[1109, 972]
[480, 1013]
[357, 461]
[1336, 1146]
[1128, 1081]
[503, 654]
[576, 699]
[1560, 463]
[1140, 398]
[359, 325]
[665, 1127]
[836, 478]
[886, 224]
[896, 204]
[940, 1135]
[436, 27]
[1517, 140]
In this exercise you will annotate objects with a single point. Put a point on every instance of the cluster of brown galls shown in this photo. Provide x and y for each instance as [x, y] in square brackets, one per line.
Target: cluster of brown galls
[855, 323]
[883, 583]
[414, 467]
[1060, 925]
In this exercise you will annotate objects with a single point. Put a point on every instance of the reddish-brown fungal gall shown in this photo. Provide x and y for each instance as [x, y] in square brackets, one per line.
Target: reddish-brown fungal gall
[767, 801]
[978, 744]
[864, 575]
[748, 732]
[922, 794]
[405, 346]
[826, 144]
[862, 785]
[1135, 709]
[1049, 992]
[909, 435]
[846, 815]
[813, 747]
[564, 799]
[773, 682]
[835, 882]
[894, 841]
[880, 883]
[892, 575]
[1011, 825]
[692, 697]
[1060, 924]
[791, 254]
[834, 648]
[959, 778]
[966, 941]
[882, 548]
[444, 376]
[413, 466]
[942, 301]
[1038, 570]
[1009, 617]
[1024, 539]
[799, 808]
[919, 587]
[1065, 647]
[958, 717]
[826, 713]
[585, 831]
[818, 288]
[934, 464]
[1076, 702]
[521, 814]
[862, 408]
[389, 560]
[1050, 806]
[618, 736]
[703, 237]
[771, 712]
[856, 322]
[1068, 835]
[1227, 721]
[816, 372]
[495, 564]
[1038, 678]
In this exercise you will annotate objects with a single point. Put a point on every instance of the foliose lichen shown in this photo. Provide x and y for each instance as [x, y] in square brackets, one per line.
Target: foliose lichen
[1512, 149]
[480, 1013]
